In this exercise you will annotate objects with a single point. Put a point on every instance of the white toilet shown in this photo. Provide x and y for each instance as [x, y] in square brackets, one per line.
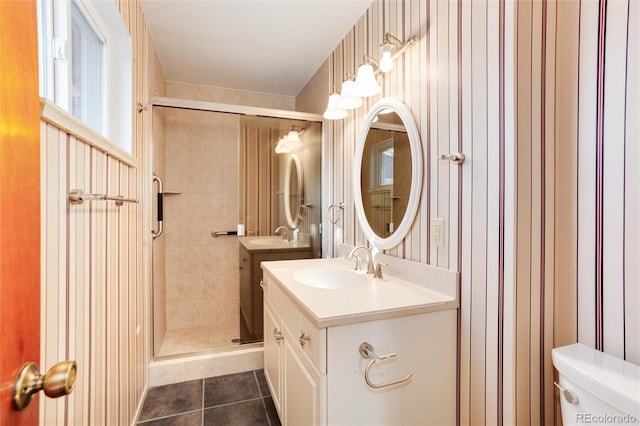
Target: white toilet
[596, 388]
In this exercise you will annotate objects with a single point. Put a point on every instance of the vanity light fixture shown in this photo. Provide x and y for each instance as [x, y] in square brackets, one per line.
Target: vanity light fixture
[334, 111]
[391, 48]
[366, 83]
[348, 98]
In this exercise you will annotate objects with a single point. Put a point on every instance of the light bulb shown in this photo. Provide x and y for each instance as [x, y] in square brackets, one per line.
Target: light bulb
[386, 63]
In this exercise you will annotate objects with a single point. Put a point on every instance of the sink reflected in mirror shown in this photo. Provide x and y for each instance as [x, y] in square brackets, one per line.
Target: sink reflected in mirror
[331, 279]
[268, 241]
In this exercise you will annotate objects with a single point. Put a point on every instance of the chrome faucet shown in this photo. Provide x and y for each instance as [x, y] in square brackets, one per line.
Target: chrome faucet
[370, 268]
[286, 232]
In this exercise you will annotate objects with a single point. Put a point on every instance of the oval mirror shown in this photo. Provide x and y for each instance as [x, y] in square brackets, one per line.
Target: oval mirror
[293, 191]
[387, 173]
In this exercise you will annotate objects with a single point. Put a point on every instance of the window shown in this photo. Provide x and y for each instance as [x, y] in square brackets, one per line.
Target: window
[87, 76]
[385, 166]
[86, 64]
[381, 165]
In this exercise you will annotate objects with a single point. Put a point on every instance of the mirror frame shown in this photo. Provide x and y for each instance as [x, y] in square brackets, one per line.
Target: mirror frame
[293, 159]
[416, 174]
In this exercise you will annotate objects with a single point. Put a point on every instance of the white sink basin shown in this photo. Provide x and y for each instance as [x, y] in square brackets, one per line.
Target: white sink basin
[331, 279]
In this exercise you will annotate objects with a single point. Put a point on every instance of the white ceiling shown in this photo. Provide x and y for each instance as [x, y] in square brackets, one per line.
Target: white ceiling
[271, 46]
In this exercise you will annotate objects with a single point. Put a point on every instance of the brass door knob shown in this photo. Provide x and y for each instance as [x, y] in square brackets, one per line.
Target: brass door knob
[58, 381]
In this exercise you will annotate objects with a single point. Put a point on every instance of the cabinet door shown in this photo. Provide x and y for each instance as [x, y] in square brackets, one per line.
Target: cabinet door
[273, 356]
[425, 345]
[304, 387]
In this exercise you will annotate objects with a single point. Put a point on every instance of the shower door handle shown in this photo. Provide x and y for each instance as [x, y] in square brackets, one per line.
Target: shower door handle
[155, 234]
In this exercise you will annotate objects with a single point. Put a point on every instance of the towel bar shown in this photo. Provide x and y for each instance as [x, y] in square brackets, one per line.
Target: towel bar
[77, 196]
[216, 234]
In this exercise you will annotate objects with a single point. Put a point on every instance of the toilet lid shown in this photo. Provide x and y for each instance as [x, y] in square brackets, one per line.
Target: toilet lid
[613, 380]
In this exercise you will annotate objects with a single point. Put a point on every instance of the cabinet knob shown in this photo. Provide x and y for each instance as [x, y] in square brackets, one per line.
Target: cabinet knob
[263, 284]
[303, 338]
[278, 335]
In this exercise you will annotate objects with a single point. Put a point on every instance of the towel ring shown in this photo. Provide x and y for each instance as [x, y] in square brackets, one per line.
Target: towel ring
[366, 351]
[331, 212]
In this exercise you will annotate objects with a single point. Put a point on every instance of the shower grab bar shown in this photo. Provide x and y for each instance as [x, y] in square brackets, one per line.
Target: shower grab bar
[216, 234]
[77, 196]
[366, 351]
[155, 234]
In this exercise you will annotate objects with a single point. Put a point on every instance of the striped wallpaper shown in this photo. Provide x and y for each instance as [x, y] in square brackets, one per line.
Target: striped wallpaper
[547, 197]
[607, 191]
[541, 220]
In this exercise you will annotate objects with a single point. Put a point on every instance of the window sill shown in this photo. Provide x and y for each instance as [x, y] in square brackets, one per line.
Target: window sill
[61, 119]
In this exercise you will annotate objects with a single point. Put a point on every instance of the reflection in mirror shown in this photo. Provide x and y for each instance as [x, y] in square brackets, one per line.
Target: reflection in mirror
[387, 173]
[293, 196]
[263, 173]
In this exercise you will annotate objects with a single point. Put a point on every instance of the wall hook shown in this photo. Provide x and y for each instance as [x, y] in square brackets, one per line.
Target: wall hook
[457, 158]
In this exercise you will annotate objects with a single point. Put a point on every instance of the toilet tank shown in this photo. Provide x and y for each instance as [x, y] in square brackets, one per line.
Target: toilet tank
[604, 389]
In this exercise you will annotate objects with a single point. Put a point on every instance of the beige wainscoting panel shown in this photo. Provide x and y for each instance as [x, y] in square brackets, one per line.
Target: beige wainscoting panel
[90, 278]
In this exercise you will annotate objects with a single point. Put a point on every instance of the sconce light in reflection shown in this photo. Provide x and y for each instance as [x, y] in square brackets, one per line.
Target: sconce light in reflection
[290, 142]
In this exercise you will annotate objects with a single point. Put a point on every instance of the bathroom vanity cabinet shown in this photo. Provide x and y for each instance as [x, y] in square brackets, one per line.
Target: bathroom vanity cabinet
[252, 251]
[316, 372]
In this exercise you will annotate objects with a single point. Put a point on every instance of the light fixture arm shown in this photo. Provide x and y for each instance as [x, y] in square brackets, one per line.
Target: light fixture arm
[366, 59]
[399, 46]
[393, 40]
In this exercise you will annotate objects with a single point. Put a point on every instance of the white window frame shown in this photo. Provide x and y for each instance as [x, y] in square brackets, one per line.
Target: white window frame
[55, 63]
[376, 162]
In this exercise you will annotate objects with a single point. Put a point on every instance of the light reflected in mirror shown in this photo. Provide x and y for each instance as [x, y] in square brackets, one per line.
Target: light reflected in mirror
[386, 174]
[293, 196]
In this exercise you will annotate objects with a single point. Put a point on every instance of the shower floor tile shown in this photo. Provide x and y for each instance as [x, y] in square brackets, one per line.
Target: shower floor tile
[177, 342]
[239, 399]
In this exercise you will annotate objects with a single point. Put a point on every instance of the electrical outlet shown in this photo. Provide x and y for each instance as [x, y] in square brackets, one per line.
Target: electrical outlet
[437, 232]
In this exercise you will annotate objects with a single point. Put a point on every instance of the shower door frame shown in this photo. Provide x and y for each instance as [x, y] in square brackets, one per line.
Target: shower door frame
[190, 104]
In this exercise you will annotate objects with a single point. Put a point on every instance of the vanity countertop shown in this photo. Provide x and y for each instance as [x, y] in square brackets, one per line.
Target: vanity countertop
[271, 243]
[407, 288]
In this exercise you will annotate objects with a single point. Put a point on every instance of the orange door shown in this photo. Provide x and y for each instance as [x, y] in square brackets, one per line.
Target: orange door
[19, 202]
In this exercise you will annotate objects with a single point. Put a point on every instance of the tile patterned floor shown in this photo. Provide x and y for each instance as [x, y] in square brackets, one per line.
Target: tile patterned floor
[235, 399]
